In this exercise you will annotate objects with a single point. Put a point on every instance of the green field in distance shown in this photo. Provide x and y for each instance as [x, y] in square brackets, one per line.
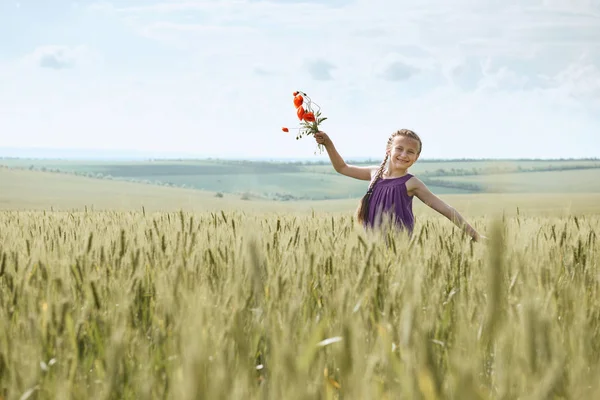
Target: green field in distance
[319, 181]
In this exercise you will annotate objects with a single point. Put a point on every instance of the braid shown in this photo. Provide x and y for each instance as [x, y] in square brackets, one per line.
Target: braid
[380, 171]
[363, 208]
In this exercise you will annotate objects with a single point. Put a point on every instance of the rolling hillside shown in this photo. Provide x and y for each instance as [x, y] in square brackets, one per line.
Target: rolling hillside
[34, 190]
[318, 181]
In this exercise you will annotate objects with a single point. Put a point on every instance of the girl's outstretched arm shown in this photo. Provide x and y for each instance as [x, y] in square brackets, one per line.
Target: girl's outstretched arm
[353, 171]
[419, 189]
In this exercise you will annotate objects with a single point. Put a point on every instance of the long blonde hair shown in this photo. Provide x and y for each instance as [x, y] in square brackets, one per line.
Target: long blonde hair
[362, 211]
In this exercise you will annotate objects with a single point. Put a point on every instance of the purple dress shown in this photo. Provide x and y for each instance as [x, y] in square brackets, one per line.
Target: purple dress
[390, 197]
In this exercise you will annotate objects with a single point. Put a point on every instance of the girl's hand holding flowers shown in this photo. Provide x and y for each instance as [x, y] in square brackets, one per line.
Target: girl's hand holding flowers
[322, 138]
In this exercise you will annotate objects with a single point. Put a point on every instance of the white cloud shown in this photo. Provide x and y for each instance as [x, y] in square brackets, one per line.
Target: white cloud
[396, 66]
[500, 79]
[61, 57]
[581, 7]
[320, 70]
[398, 71]
[581, 80]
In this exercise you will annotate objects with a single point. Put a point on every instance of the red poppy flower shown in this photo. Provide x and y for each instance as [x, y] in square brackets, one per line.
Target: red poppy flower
[300, 112]
[298, 100]
[285, 129]
[308, 117]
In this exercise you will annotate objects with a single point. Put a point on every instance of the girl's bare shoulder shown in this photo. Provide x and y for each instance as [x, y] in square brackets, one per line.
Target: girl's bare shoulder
[413, 184]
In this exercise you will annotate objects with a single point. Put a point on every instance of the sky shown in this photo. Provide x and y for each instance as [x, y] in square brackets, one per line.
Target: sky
[214, 78]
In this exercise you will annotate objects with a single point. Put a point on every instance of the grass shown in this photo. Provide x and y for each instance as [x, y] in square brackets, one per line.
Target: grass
[134, 305]
[133, 291]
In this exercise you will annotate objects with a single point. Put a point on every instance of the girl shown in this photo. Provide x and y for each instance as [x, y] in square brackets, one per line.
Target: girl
[392, 188]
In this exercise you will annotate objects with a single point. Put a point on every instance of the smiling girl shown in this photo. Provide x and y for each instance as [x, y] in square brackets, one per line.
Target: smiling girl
[391, 187]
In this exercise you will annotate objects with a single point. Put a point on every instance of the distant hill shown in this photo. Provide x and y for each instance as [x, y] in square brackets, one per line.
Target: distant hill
[37, 190]
[301, 181]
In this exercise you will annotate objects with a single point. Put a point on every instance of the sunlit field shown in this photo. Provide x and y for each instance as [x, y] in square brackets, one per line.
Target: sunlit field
[140, 305]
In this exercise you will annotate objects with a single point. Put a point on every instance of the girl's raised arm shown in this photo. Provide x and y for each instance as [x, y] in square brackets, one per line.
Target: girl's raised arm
[417, 188]
[353, 171]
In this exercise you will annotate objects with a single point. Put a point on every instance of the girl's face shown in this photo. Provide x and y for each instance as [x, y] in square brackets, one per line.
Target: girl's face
[403, 153]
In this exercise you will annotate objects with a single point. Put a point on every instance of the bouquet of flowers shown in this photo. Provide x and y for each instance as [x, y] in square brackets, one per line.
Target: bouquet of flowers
[309, 117]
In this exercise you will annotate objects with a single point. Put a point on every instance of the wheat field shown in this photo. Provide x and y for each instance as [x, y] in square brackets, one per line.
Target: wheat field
[135, 305]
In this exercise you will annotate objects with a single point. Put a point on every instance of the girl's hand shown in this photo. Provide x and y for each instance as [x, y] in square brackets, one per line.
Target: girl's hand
[322, 138]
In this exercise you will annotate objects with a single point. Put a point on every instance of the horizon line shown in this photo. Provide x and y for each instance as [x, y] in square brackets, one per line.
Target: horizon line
[44, 153]
[288, 159]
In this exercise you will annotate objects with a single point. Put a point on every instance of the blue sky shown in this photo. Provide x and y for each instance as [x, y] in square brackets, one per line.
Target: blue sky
[501, 78]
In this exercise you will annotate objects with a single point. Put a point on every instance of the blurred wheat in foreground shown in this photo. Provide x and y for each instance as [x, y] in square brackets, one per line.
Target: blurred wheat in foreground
[101, 305]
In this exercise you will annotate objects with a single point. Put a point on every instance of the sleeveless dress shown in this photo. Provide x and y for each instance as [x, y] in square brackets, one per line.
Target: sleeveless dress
[390, 199]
